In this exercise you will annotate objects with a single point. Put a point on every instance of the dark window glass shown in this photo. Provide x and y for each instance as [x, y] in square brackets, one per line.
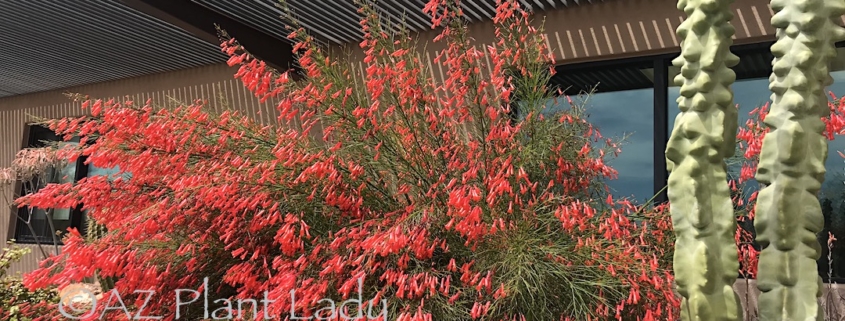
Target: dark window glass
[62, 218]
[832, 195]
[622, 109]
[628, 116]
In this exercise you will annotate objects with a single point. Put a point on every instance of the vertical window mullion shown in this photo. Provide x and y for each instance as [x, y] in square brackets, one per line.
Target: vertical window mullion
[661, 126]
[77, 218]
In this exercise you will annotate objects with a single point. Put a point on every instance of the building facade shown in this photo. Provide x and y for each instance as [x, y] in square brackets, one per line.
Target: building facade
[622, 48]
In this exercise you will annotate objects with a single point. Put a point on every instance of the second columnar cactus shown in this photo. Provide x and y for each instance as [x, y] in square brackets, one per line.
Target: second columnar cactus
[703, 137]
[792, 159]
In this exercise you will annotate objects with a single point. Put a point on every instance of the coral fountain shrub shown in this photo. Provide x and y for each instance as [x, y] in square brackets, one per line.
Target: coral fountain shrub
[463, 199]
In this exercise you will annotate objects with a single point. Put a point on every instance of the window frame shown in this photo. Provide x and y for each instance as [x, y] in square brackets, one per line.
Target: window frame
[32, 137]
[660, 84]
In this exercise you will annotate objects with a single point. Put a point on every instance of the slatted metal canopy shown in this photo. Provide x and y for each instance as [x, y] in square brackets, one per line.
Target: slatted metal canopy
[337, 21]
[50, 45]
[58, 44]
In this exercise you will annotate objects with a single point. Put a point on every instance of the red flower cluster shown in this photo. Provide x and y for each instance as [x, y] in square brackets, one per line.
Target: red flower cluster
[433, 195]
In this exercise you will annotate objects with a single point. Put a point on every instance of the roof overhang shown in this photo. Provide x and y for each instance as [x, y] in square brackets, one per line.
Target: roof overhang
[59, 44]
[51, 45]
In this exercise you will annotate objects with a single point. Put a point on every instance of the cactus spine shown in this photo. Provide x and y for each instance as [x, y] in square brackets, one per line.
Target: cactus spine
[792, 159]
[704, 135]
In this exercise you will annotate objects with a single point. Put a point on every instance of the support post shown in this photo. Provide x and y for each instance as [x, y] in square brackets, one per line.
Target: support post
[661, 127]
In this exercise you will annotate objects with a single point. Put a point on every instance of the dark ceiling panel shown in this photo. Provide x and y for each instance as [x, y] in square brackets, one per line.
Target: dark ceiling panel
[58, 44]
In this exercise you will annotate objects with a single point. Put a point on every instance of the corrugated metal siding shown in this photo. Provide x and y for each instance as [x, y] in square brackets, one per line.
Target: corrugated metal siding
[199, 83]
[57, 44]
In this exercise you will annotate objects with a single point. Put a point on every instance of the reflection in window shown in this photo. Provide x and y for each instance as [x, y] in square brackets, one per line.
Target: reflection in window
[832, 195]
[62, 218]
[111, 173]
[627, 116]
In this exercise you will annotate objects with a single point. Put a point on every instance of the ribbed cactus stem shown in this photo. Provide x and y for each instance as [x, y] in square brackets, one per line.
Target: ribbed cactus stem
[704, 135]
[94, 231]
[792, 159]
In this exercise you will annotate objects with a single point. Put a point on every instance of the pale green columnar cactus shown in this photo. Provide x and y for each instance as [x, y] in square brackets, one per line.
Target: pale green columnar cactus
[94, 231]
[792, 159]
[704, 136]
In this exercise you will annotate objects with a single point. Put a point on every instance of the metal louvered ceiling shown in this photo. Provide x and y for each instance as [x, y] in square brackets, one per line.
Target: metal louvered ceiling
[337, 21]
[57, 44]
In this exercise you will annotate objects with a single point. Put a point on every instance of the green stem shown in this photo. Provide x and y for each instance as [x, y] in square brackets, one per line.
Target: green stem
[792, 159]
[705, 259]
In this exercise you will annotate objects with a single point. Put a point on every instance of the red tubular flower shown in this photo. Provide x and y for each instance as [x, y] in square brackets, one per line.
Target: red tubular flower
[427, 194]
